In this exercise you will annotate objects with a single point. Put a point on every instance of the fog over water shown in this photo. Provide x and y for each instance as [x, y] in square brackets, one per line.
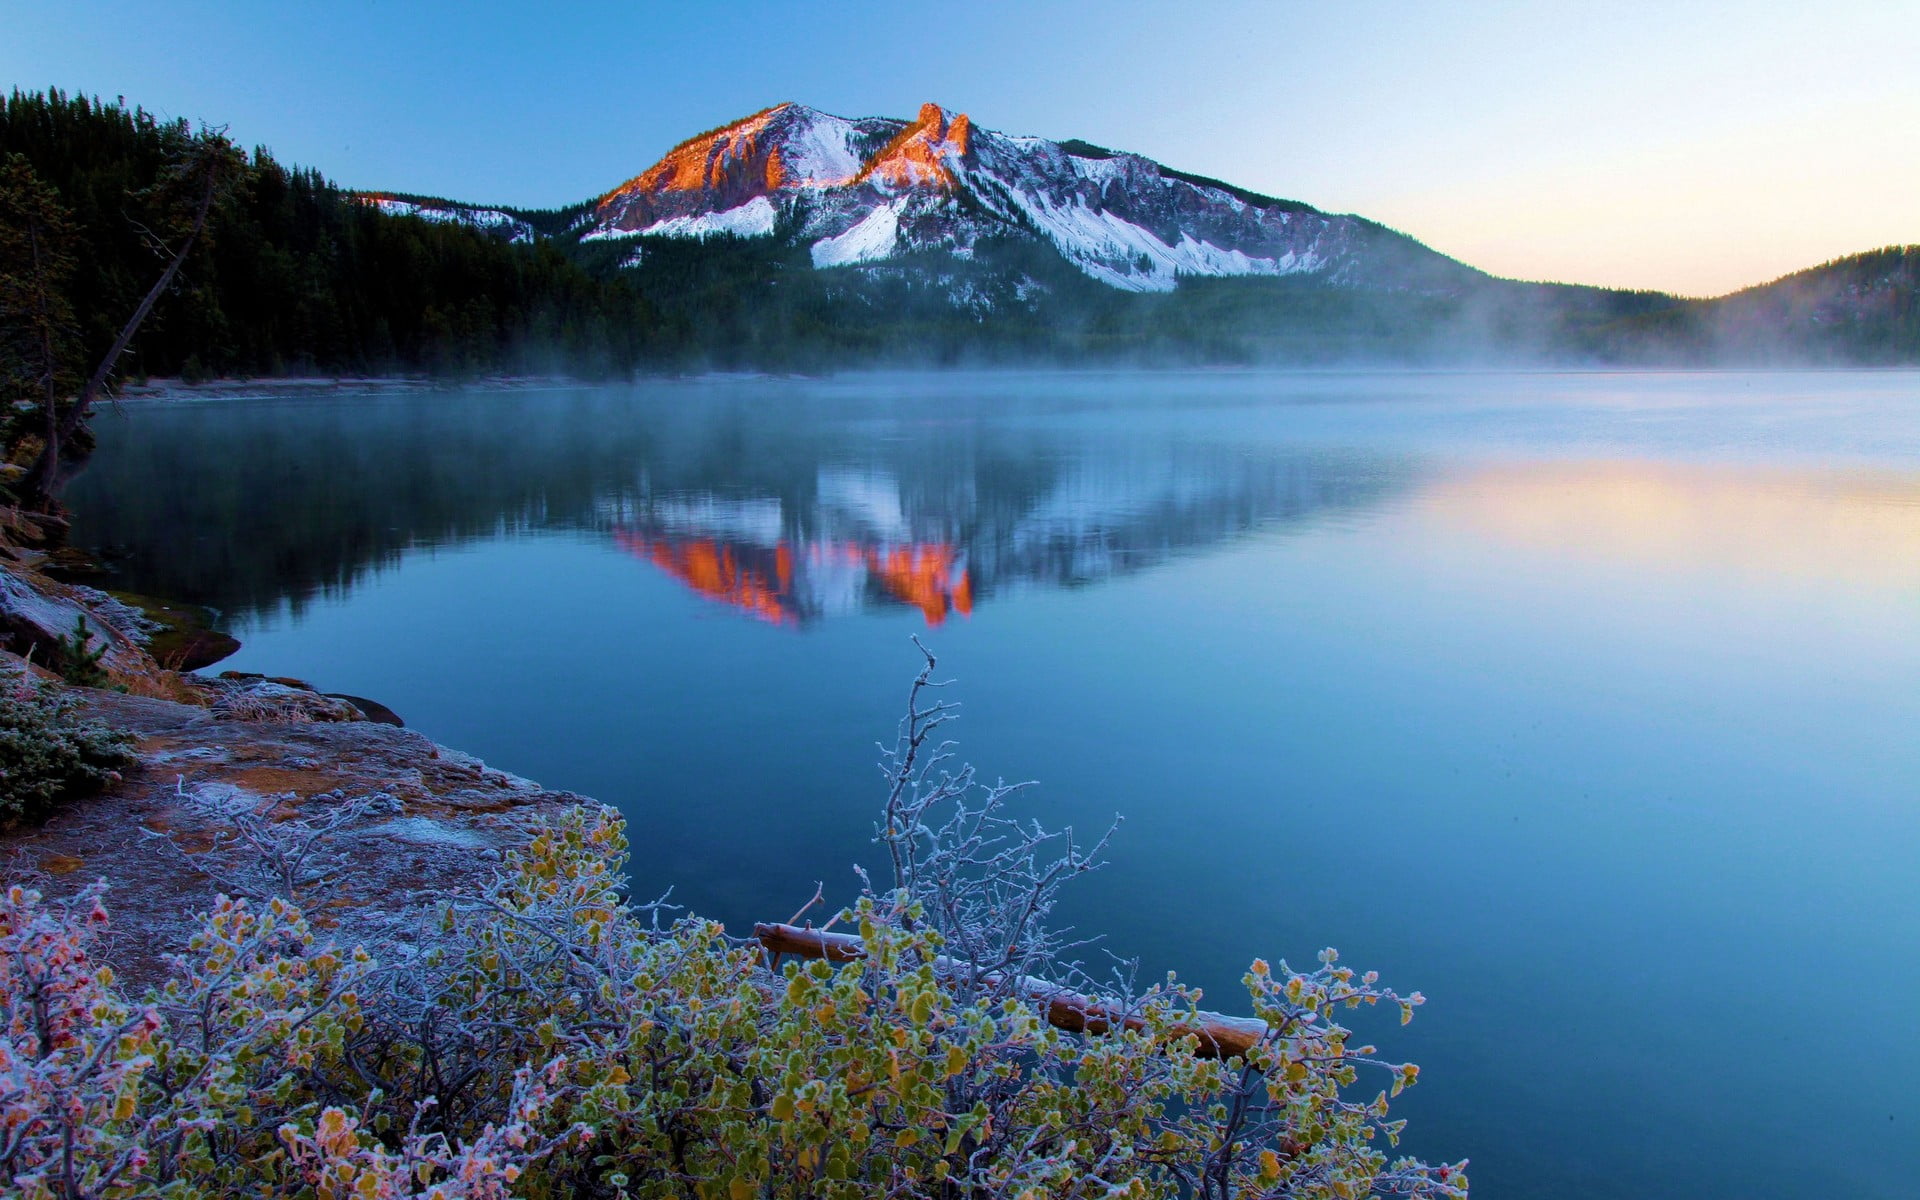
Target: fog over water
[1584, 703]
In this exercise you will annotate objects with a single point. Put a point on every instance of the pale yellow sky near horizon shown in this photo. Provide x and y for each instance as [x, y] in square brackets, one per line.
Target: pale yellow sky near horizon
[1691, 147]
[1699, 218]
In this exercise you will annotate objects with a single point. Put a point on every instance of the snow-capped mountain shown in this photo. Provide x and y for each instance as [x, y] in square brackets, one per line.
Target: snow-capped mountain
[871, 189]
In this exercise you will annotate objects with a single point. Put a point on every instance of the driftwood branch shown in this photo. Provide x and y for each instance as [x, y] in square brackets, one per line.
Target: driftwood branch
[1220, 1036]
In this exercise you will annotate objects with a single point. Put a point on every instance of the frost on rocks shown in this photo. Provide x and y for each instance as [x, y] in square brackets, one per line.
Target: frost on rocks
[399, 816]
[129, 621]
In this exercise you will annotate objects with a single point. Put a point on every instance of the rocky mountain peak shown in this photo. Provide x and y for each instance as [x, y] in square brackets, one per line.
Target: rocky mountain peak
[926, 153]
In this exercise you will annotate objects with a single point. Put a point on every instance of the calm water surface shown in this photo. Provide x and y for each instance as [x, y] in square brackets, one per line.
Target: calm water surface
[1587, 704]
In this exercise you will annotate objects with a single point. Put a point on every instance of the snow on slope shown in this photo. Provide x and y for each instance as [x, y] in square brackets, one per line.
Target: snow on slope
[755, 218]
[1123, 255]
[874, 237]
[822, 153]
[487, 220]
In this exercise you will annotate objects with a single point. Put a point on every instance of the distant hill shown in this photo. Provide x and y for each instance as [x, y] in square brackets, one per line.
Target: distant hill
[795, 239]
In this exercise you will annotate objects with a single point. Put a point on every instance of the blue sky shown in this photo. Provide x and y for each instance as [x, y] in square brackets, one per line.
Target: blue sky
[1690, 146]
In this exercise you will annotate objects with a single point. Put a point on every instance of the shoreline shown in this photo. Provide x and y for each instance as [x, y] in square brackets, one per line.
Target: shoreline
[163, 390]
[437, 824]
[177, 391]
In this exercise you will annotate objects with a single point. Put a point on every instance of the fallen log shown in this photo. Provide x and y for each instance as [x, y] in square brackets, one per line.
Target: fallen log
[1219, 1035]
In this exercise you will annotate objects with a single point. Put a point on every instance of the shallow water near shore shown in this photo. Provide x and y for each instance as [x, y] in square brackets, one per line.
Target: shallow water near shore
[1588, 704]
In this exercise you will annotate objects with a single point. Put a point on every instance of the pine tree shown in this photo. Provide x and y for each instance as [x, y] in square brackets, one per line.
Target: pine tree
[38, 333]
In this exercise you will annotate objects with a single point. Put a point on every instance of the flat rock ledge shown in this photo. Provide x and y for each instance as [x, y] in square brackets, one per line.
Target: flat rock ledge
[438, 825]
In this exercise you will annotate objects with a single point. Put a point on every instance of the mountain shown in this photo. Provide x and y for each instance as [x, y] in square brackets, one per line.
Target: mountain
[876, 189]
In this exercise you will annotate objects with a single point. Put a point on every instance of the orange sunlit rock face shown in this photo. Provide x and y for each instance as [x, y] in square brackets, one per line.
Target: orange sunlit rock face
[923, 152]
[710, 162]
[741, 162]
[772, 584]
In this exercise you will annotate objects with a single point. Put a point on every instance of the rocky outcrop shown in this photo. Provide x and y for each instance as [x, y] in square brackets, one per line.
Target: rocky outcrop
[763, 157]
[417, 823]
[289, 702]
[229, 763]
[41, 618]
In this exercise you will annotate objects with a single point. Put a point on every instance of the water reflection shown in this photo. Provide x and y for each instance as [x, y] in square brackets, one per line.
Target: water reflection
[778, 585]
[787, 516]
[1857, 524]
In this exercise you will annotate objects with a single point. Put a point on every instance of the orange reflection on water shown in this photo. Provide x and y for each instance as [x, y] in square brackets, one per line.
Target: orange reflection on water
[716, 570]
[921, 576]
[769, 583]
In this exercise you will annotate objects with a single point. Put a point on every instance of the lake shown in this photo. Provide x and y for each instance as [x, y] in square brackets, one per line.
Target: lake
[1586, 703]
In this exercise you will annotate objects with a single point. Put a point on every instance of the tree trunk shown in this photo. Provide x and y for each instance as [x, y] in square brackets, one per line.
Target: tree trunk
[43, 484]
[50, 396]
[1220, 1036]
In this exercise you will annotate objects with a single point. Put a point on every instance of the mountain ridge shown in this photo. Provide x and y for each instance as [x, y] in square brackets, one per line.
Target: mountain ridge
[872, 189]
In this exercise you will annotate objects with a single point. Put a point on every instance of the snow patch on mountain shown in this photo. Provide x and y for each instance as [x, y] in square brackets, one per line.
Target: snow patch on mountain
[755, 218]
[487, 220]
[1121, 254]
[1102, 171]
[822, 152]
[875, 236]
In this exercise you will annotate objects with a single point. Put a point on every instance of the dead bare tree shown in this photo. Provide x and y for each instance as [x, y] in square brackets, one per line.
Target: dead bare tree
[36, 319]
[985, 880]
[206, 166]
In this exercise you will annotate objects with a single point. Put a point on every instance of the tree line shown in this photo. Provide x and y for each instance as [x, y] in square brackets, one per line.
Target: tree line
[295, 274]
[132, 246]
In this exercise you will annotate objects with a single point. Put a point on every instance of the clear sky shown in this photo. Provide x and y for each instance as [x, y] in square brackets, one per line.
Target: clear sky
[1694, 147]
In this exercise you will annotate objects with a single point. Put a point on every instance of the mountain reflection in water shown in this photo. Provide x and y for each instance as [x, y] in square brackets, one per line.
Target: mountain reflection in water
[779, 586]
[788, 513]
[859, 539]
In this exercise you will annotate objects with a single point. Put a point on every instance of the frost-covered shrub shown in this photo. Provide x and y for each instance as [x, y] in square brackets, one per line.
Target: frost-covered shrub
[48, 752]
[553, 1042]
[547, 1038]
[214, 1086]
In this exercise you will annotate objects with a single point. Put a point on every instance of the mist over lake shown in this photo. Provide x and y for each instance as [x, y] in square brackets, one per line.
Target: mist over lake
[1586, 703]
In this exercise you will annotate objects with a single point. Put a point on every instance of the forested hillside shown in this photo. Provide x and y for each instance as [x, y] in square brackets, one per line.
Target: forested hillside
[296, 275]
[1861, 310]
